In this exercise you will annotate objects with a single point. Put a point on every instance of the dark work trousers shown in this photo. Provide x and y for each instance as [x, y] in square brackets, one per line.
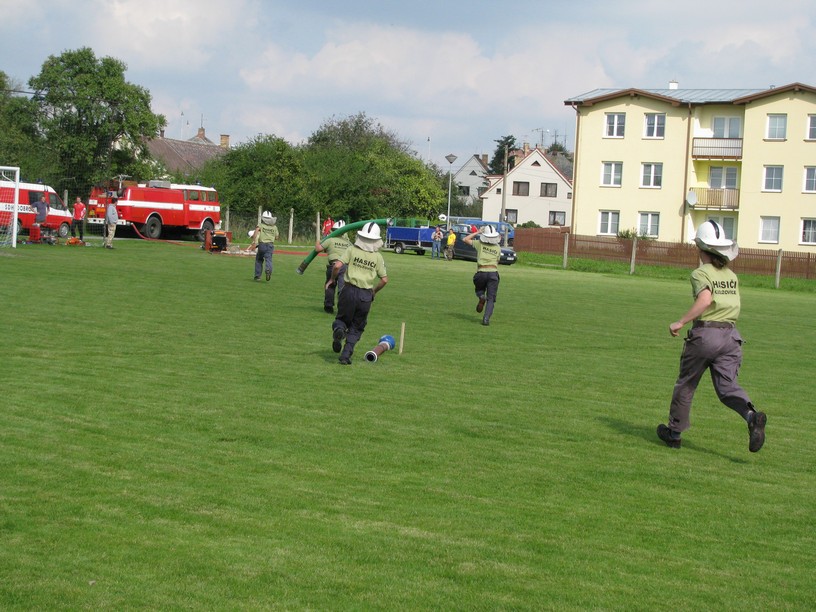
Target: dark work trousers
[328, 300]
[263, 255]
[720, 351]
[77, 223]
[353, 307]
[486, 283]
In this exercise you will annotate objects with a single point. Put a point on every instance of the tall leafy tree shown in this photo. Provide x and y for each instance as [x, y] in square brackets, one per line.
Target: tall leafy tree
[20, 143]
[94, 121]
[265, 171]
[496, 165]
[360, 170]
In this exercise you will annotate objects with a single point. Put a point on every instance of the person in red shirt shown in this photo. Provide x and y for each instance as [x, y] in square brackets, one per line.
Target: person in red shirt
[77, 220]
[327, 226]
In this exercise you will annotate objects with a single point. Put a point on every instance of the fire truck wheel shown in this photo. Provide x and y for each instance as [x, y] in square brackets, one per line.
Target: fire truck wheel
[207, 225]
[64, 230]
[152, 228]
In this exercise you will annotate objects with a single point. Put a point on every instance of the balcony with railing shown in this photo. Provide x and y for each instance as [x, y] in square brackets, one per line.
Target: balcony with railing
[716, 199]
[716, 148]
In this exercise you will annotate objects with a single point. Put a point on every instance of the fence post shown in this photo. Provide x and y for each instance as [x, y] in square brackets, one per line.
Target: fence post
[291, 223]
[632, 260]
[226, 227]
[778, 268]
[566, 250]
[318, 228]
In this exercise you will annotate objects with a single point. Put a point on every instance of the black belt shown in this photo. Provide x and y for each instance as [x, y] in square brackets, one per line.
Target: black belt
[719, 324]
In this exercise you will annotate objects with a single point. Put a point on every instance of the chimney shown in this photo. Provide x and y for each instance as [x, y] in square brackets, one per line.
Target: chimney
[200, 133]
[484, 158]
[225, 141]
[526, 148]
[673, 84]
[161, 133]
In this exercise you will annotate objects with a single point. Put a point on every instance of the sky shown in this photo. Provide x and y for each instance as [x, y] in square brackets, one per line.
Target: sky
[447, 76]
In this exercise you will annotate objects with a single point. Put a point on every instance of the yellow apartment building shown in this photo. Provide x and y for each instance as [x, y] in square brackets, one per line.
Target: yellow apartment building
[662, 161]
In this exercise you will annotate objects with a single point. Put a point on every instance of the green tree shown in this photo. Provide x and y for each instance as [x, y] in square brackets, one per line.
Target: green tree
[267, 172]
[496, 165]
[94, 121]
[359, 170]
[20, 143]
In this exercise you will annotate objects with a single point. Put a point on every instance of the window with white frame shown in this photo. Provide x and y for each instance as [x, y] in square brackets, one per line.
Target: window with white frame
[722, 177]
[728, 224]
[769, 229]
[655, 125]
[615, 125]
[777, 127]
[511, 215]
[726, 127]
[558, 217]
[649, 224]
[808, 231]
[612, 175]
[811, 127]
[810, 179]
[549, 190]
[609, 222]
[521, 188]
[652, 175]
[773, 178]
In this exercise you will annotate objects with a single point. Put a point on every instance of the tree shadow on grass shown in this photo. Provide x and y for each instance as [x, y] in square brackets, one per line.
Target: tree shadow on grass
[648, 433]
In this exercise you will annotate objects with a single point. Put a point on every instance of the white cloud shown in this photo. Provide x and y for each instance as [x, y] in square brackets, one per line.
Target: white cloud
[180, 35]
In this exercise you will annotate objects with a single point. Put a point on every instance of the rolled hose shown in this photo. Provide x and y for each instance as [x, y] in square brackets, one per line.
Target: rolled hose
[338, 232]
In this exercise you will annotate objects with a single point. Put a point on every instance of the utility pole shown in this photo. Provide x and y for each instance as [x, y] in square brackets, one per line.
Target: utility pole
[504, 194]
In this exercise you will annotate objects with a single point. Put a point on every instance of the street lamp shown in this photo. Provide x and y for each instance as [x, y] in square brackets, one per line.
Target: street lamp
[451, 158]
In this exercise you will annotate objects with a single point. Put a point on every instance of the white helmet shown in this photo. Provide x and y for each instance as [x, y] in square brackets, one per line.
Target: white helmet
[370, 230]
[711, 234]
[338, 224]
[266, 215]
[711, 238]
[488, 231]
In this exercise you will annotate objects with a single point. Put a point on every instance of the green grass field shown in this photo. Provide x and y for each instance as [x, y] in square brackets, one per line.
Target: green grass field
[174, 435]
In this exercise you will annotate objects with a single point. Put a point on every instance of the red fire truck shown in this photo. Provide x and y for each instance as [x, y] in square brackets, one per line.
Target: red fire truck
[156, 206]
[59, 217]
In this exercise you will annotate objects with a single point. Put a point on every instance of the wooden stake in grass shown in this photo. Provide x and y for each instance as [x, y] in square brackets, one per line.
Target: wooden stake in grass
[402, 337]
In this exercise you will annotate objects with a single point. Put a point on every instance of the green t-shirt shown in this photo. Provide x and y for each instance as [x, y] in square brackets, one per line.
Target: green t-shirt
[724, 287]
[335, 247]
[267, 233]
[363, 268]
[487, 254]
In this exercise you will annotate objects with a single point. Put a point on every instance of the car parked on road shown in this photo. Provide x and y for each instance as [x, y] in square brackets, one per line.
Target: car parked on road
[462, 250]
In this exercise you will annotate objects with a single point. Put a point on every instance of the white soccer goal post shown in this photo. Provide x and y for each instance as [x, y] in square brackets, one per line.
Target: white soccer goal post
[9, 205]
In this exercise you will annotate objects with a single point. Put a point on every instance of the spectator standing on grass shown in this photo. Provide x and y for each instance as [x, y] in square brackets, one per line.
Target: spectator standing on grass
[264, 241]
[713, 342]
[78, 219]
[327, 226]
[111, 219]
[449, 245]
[41, 207]
[486, 279]
[334, 248]
[436, 238]
[365, 276]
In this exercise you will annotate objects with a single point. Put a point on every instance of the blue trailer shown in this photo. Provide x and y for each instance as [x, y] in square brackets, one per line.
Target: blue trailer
[403, 239]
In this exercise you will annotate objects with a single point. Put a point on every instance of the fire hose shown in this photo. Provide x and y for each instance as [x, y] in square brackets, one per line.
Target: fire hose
[338, 232]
